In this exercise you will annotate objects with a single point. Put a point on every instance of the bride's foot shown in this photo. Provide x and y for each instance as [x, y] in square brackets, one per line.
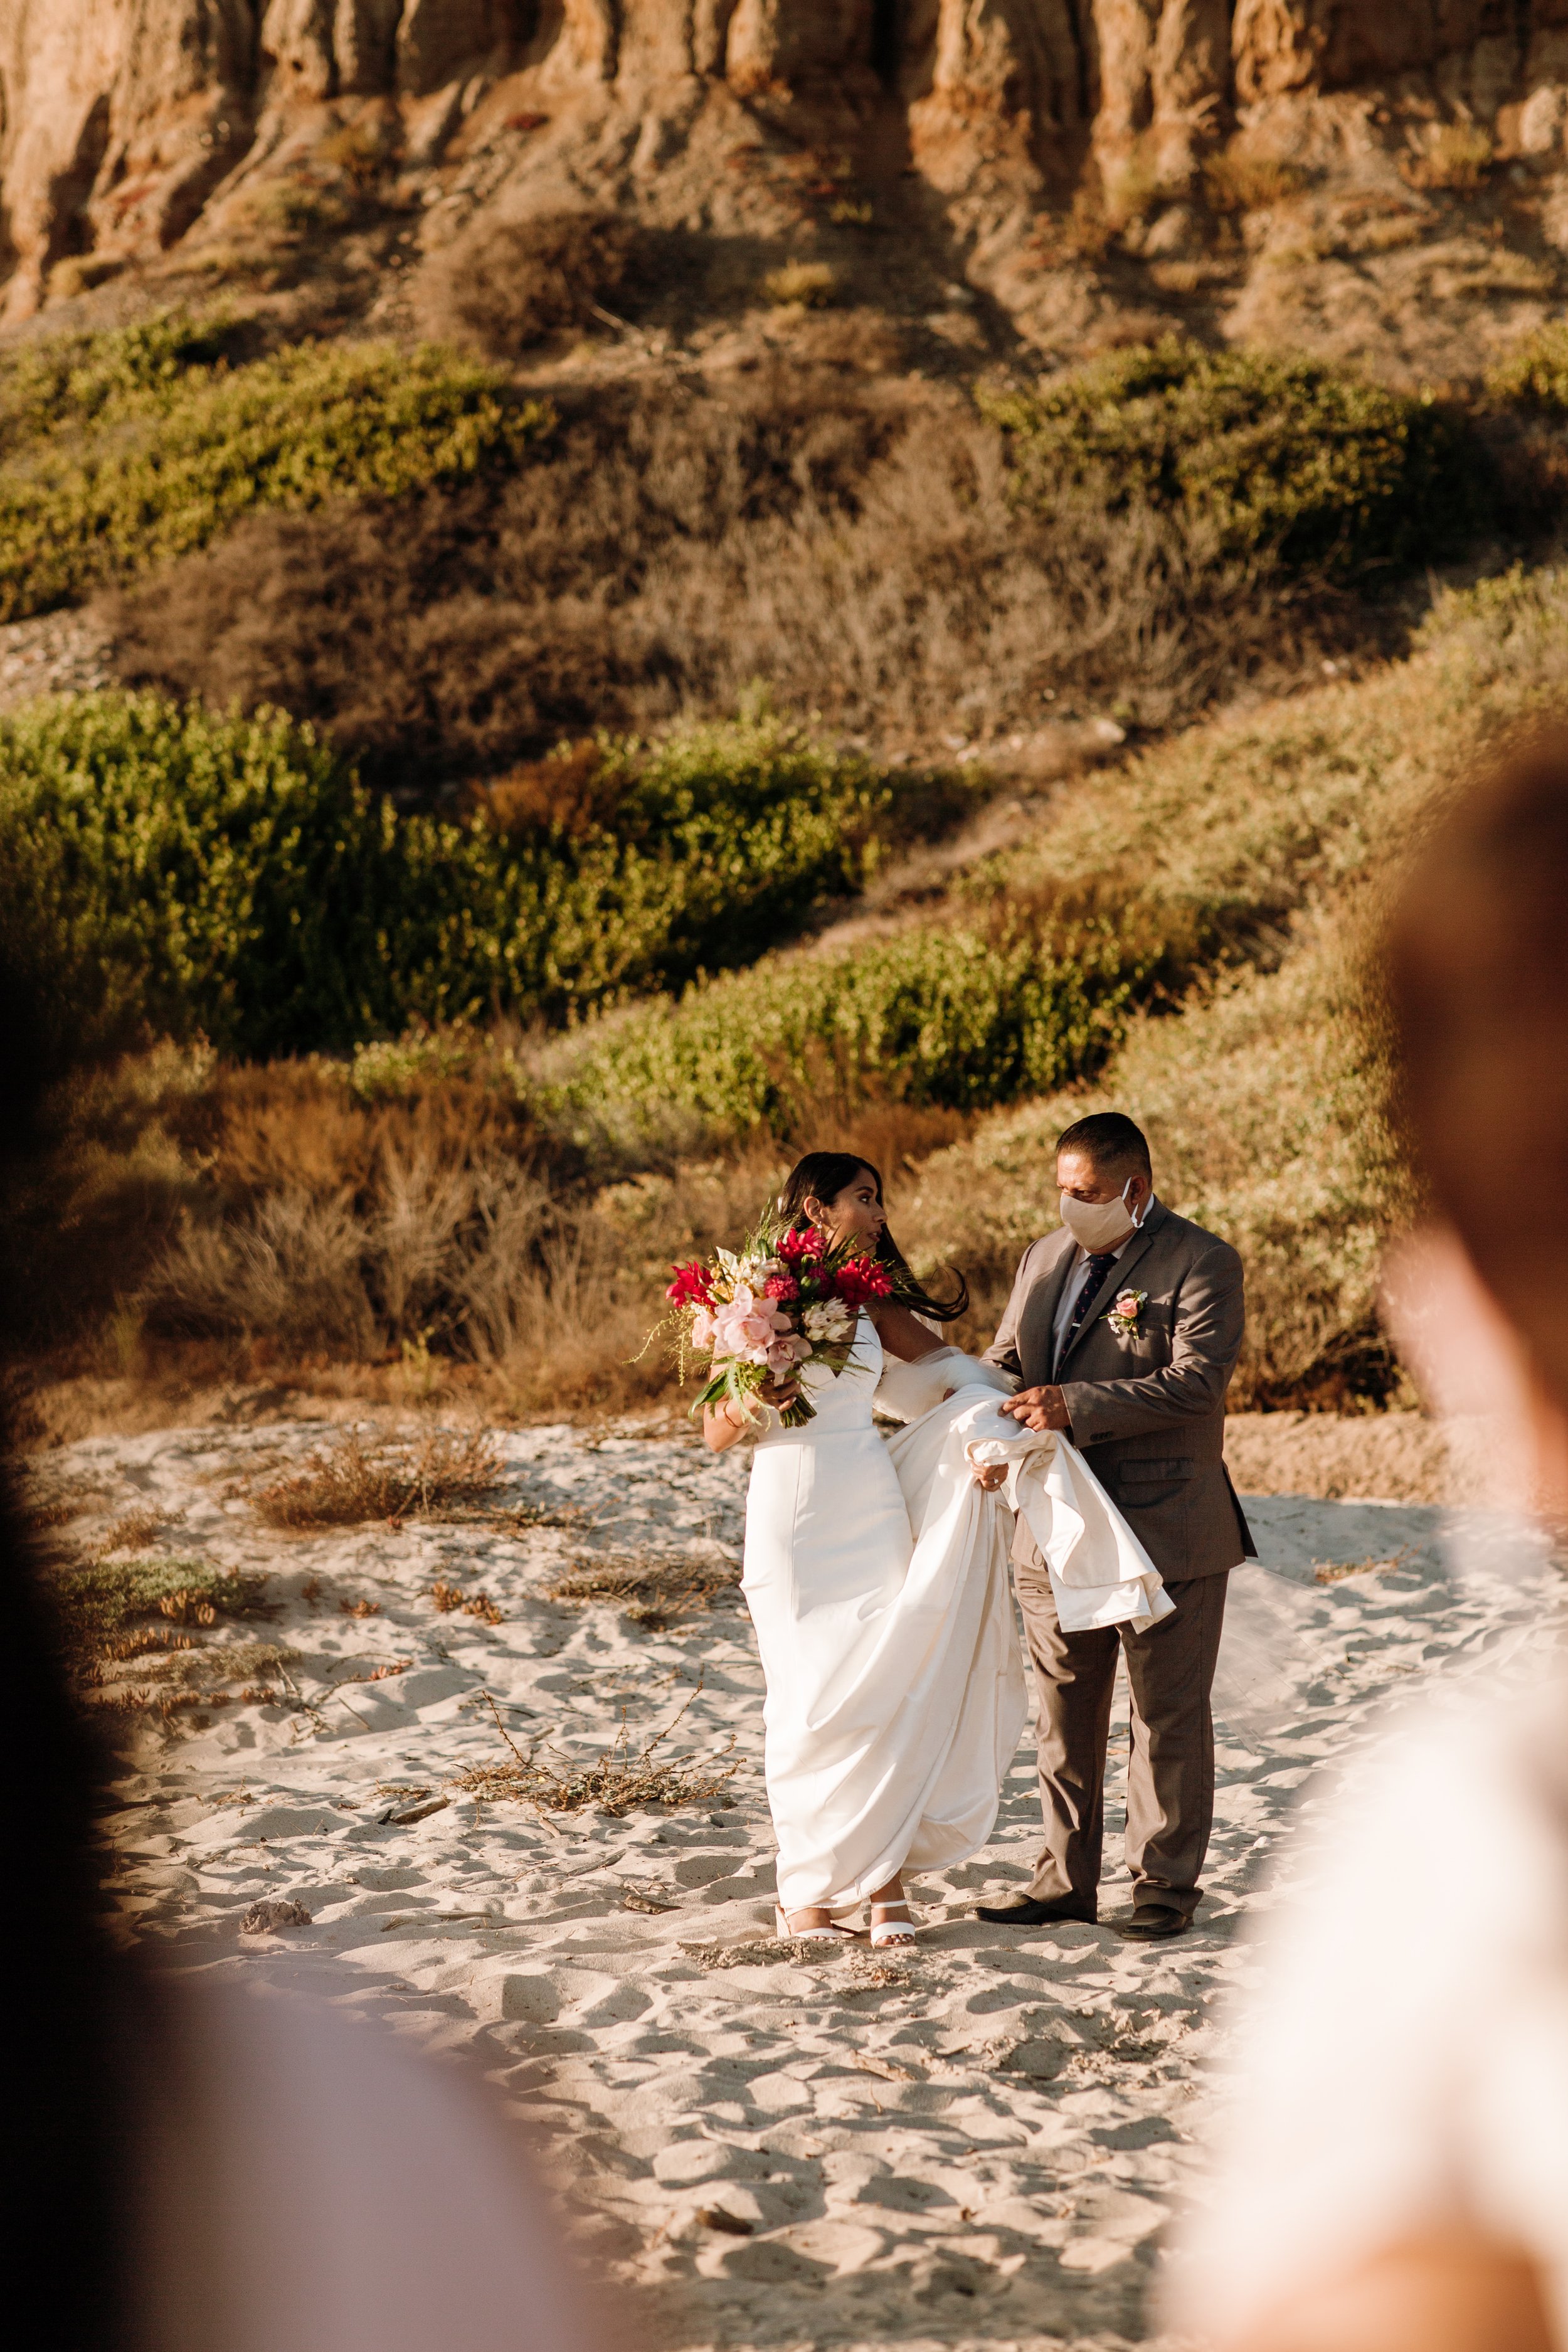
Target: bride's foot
[810, 1927]
[893, 1927]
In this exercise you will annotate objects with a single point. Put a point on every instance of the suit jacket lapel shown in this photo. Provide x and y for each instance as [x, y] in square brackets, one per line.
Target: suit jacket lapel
[1036, 1323]
[1118, 1281]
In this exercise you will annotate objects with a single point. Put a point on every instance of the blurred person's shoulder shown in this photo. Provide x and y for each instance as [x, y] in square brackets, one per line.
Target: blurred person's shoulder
[1402, 2064]
[315, 2180]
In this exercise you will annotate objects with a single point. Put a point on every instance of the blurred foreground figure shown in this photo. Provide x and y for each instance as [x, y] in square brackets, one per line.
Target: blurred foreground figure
[1397, 2174]
[197, 2168]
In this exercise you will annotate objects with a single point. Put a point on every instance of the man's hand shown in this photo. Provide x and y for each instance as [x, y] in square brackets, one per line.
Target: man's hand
[1038, 1409]
[990, 1478]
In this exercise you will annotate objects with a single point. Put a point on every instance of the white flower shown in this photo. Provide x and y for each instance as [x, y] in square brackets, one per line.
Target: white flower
[829, 1322]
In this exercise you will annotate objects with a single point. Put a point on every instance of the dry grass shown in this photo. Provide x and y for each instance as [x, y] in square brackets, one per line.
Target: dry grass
[857, 547]
[1457, 157]
[508, 285]
[811, 284]
[38, 1517]
[1235, 181]
[1334, 1571]
[180, 1197]
[205, 1227]
[623, 1780]
[360, 1478]
[451, 1597]
[648, 1588]
[865, 1972]
[201, 1676]
[131, 1531]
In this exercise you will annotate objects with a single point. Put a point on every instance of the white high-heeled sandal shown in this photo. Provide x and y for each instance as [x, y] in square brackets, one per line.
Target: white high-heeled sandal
[892, 1934]
[830, 1934]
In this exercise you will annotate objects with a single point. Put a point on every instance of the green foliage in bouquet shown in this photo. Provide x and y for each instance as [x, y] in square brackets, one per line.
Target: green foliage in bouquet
[1278, 457]
[125, 449]
[170, 871]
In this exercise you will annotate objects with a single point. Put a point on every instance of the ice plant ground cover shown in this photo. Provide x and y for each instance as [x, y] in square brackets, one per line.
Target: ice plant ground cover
[760, 1314]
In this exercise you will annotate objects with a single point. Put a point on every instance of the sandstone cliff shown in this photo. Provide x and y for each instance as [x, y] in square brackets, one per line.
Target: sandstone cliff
[1362, 174]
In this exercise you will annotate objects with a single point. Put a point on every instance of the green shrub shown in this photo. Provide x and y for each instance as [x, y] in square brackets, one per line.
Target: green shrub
[1535, 372]
[178, 872]
[170, 869]
[1280, 456]
[703, 852]
[125, 452]
[959, 1018]
[64, 382]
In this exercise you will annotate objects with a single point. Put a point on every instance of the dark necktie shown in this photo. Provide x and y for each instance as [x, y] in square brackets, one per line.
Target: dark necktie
[1096, 1269]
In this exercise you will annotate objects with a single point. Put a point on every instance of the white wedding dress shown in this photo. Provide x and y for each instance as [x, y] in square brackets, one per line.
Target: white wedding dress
[877, 1578]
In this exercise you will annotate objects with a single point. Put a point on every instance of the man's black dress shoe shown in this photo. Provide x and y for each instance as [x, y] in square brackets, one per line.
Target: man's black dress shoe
[1030, 1914]
[1150, 1923]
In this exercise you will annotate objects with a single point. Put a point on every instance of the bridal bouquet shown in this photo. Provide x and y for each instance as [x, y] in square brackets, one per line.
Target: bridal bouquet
[781, 1300]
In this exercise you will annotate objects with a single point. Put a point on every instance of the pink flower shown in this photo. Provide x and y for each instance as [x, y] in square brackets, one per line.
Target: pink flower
[799, 1244]
[781, 1285]
[702, 1328]
[785, 1354]
[746, 1327]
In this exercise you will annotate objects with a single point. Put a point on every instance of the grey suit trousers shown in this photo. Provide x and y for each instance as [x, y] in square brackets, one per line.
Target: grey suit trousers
[1169, 1772]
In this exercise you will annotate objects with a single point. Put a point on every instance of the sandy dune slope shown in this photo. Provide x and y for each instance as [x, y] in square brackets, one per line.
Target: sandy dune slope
[978, 2144]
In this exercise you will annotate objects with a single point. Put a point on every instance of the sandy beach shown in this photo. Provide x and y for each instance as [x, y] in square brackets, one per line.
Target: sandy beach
[978, 2142]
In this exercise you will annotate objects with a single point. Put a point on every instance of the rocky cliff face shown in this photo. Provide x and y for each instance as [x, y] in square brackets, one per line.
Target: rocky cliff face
[1080, 161]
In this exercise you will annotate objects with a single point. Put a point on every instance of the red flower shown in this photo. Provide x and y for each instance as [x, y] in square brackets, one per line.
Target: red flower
[781, 1285]
[801, 1245]
[860, 1278]
[691, 1285]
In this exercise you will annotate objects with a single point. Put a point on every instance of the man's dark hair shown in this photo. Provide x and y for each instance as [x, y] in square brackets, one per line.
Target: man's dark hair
[1110, 1138]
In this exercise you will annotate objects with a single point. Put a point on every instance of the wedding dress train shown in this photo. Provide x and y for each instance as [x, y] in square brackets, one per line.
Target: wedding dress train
[877, 1575]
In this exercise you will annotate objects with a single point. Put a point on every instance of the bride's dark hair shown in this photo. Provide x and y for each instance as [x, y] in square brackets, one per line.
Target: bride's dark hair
[822, 1176]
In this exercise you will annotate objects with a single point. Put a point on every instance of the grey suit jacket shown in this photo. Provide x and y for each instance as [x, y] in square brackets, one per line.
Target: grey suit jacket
[1147, 1409]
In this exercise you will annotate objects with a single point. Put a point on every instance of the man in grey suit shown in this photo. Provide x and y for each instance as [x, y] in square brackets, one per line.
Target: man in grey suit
[1124, 1328]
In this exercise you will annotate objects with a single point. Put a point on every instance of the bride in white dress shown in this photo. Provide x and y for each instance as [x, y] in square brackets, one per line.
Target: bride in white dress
[877, 1578]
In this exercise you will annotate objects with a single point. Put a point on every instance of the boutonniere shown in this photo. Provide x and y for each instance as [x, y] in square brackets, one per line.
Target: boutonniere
[1123, 1317]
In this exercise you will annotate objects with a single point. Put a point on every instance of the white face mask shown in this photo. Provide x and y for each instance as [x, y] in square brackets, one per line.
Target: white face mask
[1098, 1226]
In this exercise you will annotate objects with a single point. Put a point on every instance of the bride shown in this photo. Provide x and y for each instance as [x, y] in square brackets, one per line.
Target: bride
[877, 1579]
